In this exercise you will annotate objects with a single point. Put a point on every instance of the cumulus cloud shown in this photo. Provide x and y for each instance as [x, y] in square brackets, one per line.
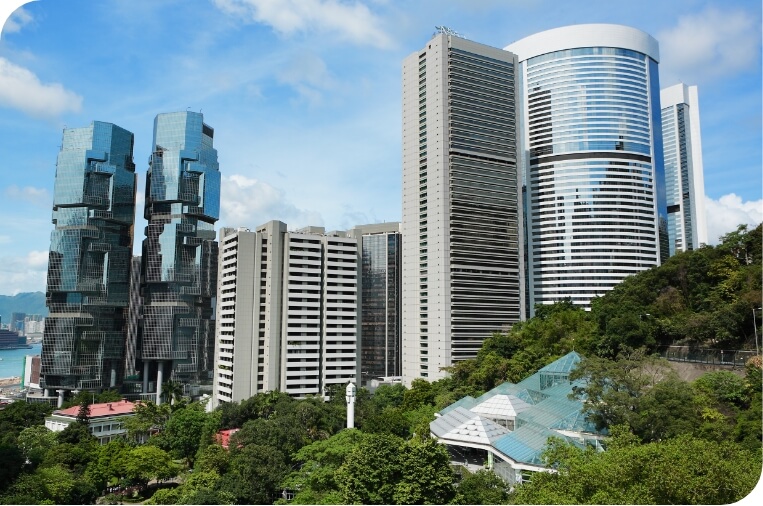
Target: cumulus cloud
[728, 212]
[352, 21]
[308, 75]
[249, 202]
[21, 89]
[10, 18]
[36, 196]
[709, 45]
[23, 273]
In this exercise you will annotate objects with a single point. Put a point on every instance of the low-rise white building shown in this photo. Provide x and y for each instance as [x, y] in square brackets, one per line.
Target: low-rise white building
[106, 419]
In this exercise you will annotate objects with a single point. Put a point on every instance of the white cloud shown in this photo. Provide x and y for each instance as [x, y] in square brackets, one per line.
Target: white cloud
[37, 259]
[23, 273]
[249, 203]
[36, 196]
[728, 212]
[21, 89]
[11, 17]
[351, 21]
[709, 45]
[17, 21]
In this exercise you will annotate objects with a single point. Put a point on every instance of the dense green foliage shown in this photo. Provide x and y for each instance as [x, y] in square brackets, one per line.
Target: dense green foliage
[673, 441]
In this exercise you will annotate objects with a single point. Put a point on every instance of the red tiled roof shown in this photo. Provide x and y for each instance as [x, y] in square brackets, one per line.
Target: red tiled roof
[223, 437]
[122, 407]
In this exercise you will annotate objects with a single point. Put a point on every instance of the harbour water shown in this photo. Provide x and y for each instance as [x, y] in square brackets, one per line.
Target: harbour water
[12, 363]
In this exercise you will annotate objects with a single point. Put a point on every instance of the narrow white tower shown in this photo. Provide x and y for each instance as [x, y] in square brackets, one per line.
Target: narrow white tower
[349, 396]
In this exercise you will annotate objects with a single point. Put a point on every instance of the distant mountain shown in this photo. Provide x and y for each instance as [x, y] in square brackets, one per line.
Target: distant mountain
[27, 302]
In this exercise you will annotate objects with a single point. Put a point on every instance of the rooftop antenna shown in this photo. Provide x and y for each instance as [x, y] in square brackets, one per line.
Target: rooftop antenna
[447, 31]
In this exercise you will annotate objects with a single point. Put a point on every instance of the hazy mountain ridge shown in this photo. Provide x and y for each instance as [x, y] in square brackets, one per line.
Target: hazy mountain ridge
[25, 302]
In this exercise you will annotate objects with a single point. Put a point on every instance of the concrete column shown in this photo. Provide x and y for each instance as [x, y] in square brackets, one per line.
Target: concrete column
[350, 398]
[46, 392]
[159, 379]
[60, 397]
[113, 381]
[145, 376]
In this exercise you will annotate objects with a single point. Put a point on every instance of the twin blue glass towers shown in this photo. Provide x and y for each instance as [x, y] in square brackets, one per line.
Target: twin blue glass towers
[91, 253]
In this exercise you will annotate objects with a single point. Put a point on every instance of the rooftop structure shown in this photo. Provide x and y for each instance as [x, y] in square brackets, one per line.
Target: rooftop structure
[507, 428]
[105, 419]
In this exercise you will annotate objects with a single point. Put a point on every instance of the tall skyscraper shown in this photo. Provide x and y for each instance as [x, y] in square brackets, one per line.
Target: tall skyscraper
[89, 262]
[684, 175]
[462, 253]
[179, 260]
[592, 159]
[287, 309]
[381, 295]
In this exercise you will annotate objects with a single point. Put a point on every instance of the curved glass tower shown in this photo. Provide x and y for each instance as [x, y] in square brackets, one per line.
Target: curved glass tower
[179, 261]
[592, 158]
[89, 262]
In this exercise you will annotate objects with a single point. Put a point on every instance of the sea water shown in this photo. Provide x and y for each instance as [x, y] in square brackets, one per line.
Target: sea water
[12, 363]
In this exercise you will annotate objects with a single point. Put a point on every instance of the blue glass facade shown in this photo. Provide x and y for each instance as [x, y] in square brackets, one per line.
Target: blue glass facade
[380, 308]
[89, 261]
[596, 206]
[179, 260]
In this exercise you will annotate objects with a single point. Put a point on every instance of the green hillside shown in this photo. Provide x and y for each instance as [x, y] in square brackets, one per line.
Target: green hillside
[26, 302]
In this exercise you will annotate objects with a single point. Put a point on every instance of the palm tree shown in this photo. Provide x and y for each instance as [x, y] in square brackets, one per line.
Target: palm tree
[172, 391]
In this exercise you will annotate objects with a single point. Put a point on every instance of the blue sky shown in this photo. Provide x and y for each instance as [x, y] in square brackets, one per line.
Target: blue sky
[304, 96]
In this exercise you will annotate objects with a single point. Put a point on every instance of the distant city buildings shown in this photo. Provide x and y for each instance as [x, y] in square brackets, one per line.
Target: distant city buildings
[592, 159]
[462, 253]
[684, 176]
[89, 262]
[531, 174]
[179, 260]
[287, 309]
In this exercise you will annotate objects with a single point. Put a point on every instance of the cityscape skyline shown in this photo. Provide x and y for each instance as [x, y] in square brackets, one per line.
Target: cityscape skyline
[309, 91]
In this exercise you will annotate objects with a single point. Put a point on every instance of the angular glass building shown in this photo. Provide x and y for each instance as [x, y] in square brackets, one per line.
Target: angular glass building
[179, 258]
[684, 177]
[89, 263]
[592, 158]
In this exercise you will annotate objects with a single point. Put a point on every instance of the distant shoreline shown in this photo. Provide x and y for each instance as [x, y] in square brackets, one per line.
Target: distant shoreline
[10, 382]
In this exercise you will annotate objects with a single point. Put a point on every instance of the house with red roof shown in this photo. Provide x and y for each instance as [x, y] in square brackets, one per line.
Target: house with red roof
[106, 419]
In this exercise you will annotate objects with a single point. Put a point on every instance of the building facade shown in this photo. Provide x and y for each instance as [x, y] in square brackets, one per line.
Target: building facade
[89, 261]
[287, 312]
[179, 258]
[684, 175]
[462, 253]
[592, 162]
[381, 297]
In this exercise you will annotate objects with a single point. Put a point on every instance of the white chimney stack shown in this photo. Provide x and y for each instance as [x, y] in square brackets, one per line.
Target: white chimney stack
[349, 396]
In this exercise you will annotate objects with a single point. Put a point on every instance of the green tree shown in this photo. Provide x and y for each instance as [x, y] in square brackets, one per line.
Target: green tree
[482, 487]
[17, 416]
[370, 473]
[11, 462]
[146, 463]
[425, 474]
[35, 442]
[183, 432]
[682, 470]
[255, 474]
[148, 418]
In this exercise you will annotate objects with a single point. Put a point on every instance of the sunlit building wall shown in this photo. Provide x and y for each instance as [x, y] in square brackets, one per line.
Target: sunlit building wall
[684, 175]
[462, 252]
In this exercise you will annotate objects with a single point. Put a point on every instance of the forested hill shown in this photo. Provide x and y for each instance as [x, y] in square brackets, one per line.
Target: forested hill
[25, 302]
[702, 298]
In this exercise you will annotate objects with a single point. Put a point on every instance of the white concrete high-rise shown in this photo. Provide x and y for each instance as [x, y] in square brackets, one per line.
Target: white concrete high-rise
[462, 253]
[684, 175]
[592, 159]
[287, 312]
